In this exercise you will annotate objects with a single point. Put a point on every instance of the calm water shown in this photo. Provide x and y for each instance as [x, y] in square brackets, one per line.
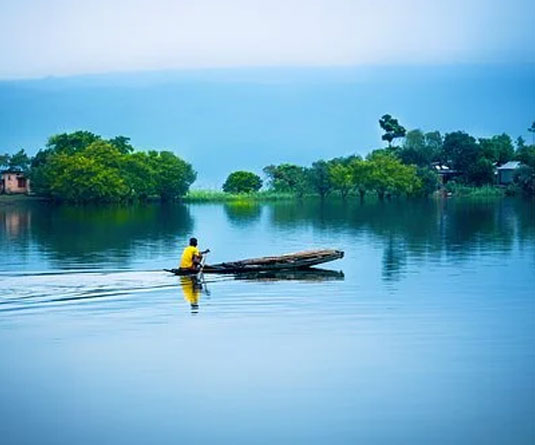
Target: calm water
[428, 335]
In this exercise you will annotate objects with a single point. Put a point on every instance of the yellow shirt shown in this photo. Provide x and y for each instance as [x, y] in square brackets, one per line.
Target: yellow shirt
[187, 257]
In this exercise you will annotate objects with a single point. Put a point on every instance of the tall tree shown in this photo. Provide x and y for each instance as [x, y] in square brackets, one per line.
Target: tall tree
[361, 176]
[415, 149]
[341, 177]
[520, 143]
[19, 161]
[320, 178]
[392, 129]
[461, 150]
[497, 149]
[434, 143]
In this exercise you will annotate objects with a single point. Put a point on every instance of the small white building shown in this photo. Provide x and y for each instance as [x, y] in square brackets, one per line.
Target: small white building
[14, 182]
[506, 172]
[444, 172]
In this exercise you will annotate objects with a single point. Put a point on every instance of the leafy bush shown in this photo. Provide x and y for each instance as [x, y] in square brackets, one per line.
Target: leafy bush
[242, 182]
[288, 178]
[83, 167]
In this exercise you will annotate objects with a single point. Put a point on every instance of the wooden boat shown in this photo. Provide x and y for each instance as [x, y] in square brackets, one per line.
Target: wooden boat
[298, 260]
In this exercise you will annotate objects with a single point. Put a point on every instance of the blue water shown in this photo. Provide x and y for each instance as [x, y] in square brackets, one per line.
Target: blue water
[225, 120]
[427, 335]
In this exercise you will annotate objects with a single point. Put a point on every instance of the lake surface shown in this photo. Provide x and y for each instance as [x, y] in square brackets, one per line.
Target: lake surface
[427, 335]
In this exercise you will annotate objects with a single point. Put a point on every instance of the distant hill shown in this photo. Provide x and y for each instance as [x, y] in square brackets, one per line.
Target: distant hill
[222, 120]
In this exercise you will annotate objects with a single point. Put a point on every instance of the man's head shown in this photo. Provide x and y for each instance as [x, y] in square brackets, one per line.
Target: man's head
[193, 242]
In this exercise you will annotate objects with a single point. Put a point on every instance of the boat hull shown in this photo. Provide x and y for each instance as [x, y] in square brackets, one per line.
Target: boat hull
[290, 261]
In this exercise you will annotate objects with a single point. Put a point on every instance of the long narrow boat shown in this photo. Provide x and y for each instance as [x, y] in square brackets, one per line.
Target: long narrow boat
[289, 261]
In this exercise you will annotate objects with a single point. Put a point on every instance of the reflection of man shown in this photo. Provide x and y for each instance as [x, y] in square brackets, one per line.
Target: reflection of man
[191, 288]
[191, 257]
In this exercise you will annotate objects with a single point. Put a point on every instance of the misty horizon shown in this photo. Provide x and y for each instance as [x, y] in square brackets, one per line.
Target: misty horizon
[222, 120]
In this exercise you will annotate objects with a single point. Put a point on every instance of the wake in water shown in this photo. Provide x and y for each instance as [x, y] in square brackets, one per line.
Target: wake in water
[29, 290]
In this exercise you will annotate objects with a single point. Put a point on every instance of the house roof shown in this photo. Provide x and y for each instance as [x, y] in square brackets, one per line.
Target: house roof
[443, 169]
[511, 165]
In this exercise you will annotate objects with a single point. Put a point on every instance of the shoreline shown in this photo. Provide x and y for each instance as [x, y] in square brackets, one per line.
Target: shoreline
[215, 196]
[20, 197]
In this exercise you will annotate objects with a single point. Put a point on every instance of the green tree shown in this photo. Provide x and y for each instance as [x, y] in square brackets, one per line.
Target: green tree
[122, 143]
[392, 129]
[242, 182]
[71, 142]
[419, 149]
[83, 167]
[429, 181]
[341, 178]
[138, 175]
[320, 178]
[173, 175]
[434, 143]
[79, 178]
[388, 175]
[481, 172]
[19, 161]
[287, 178]
[497, 149]
[461, 151]
[361, 176]
[526, 155]
[520, 143]
[4, 161]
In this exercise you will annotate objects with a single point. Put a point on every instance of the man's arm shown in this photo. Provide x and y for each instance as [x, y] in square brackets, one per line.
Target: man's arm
[198, 257]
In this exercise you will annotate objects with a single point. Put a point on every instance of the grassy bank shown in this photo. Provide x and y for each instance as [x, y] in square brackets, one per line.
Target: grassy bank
[459, 191]
[218, 196]
[486, 191]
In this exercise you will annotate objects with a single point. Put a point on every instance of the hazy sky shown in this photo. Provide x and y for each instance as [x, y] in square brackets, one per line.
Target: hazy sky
[62, 37]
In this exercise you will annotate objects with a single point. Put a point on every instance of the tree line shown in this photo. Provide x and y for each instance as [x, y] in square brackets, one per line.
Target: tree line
[82, 166]
[408, 168]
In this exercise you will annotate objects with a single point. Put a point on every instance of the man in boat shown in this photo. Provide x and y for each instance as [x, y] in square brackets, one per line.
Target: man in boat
[192, 257]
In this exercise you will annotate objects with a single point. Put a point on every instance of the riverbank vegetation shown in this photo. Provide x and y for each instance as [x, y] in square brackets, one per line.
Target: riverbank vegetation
[219, 196]
[84, 167]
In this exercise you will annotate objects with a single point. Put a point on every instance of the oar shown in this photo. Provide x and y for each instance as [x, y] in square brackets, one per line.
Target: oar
[200, 275]
[203, 261]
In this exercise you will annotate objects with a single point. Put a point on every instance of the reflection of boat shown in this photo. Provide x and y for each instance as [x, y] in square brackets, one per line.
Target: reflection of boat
[191, 288]
[289, 261]
[308, 274]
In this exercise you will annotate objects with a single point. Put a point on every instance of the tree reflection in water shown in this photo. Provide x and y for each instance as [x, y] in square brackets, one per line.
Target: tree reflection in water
[86, 234]
[412, 229]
